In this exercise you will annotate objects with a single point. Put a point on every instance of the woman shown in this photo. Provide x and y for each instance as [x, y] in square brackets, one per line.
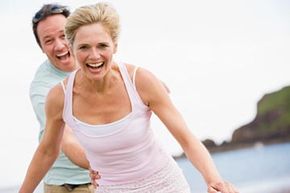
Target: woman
[109, 105]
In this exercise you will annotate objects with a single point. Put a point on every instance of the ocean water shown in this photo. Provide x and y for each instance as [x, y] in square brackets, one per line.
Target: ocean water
[261, 169]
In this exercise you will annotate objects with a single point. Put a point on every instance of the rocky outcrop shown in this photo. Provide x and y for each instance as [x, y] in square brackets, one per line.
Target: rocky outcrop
[272, 121]
[270, 125]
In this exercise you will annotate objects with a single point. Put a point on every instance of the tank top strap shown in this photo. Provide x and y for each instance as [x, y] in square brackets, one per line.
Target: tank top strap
[62, 85]
[134, 75]
[130, 86]
[67, 112]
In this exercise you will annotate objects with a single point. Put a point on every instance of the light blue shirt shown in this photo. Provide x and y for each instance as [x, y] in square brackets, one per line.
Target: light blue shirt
[63, 170]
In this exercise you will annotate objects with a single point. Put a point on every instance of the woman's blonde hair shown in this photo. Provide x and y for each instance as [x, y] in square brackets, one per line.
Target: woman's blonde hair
[102, 13]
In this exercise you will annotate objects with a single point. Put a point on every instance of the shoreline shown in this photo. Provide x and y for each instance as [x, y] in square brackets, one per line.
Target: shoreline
[237, 146]
[234, 147]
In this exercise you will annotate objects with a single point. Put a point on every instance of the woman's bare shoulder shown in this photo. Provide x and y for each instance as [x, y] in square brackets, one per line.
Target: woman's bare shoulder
[55, 97]
[142, 72]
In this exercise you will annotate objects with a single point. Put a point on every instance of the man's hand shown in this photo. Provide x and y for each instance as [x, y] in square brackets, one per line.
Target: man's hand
[94, 175]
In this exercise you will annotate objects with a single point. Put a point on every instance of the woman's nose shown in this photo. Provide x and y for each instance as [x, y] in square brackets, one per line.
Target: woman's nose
[95, 54]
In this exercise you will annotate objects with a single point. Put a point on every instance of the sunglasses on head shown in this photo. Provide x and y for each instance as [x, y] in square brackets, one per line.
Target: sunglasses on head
[55, 9]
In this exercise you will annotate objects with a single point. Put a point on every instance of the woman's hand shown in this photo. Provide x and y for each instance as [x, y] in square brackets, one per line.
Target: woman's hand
[94, 175]
[222, 187]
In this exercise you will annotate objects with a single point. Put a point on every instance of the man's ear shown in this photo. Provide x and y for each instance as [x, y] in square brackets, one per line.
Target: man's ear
[41, 49]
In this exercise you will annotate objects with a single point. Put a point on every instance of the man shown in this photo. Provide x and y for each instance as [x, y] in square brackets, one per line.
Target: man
[48, 28]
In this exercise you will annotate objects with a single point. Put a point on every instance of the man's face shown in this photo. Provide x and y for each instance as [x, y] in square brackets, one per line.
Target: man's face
[53, 43]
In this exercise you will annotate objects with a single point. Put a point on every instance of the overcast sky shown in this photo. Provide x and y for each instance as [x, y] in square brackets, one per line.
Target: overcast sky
[217, 57]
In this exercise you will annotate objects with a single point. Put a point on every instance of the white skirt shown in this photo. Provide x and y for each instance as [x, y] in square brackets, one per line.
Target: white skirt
[169, 179]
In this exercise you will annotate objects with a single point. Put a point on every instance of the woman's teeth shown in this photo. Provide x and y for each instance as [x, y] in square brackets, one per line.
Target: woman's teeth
[96, 65]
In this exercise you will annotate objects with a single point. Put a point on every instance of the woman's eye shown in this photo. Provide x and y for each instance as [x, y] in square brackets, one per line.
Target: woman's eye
[103, 46]
[83, 47]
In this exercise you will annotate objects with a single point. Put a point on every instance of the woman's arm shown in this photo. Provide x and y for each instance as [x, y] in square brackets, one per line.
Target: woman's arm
[156, 97]
[48, 149]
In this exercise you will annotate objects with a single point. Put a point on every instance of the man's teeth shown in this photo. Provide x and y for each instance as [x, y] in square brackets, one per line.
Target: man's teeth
[96, 65]
[62, 54]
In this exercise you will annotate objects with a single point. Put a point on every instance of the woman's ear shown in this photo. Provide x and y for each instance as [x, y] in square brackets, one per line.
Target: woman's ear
[115, 48]
[70, 47]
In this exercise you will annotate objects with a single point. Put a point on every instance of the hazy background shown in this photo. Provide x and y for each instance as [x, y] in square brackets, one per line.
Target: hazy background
[217, 57]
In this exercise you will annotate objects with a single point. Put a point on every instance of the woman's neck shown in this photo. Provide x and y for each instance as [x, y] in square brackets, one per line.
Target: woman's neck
[97, 86]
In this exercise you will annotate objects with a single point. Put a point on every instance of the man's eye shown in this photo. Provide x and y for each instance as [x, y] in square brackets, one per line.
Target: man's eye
[48, 41]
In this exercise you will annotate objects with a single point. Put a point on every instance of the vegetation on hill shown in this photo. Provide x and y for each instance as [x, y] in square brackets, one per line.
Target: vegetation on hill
[270, 125]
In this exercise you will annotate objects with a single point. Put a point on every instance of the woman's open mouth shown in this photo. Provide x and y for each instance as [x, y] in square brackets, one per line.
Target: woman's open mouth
[96, 65]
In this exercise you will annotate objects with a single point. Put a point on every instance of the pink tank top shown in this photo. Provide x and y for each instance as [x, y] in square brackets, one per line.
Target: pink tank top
[122, 151]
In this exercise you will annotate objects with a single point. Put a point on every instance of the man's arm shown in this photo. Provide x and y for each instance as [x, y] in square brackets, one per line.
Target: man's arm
[73, 150]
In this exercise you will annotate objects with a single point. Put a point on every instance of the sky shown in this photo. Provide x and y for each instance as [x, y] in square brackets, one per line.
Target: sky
[217, 57]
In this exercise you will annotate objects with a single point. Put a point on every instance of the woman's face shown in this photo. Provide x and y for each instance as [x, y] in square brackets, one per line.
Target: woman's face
[93, 49]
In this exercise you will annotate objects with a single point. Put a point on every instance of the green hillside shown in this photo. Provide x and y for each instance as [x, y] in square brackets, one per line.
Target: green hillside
[271, 122]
